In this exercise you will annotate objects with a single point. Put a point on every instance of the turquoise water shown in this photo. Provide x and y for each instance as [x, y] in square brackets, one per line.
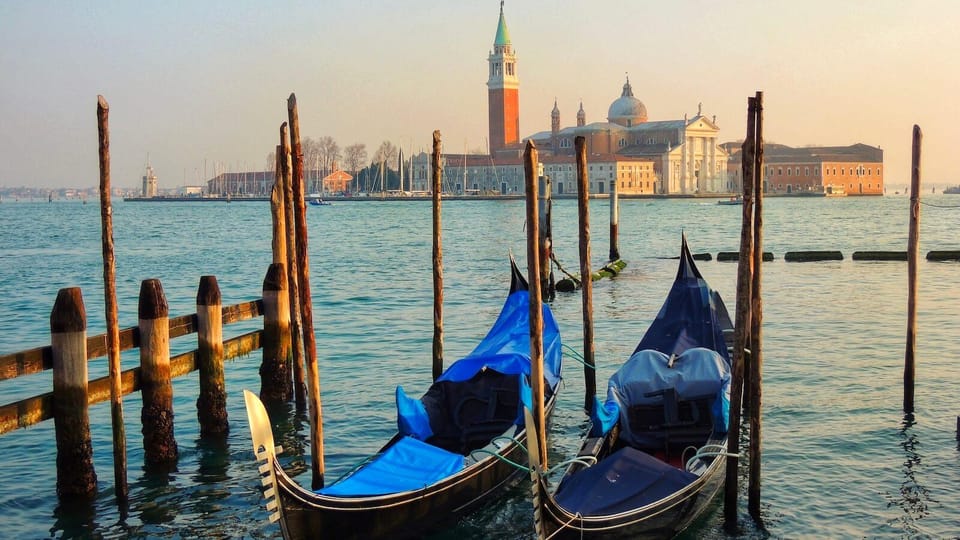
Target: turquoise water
[839, 457]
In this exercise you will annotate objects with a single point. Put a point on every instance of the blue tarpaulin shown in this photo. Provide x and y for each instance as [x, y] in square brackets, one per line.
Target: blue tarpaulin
[407, 465]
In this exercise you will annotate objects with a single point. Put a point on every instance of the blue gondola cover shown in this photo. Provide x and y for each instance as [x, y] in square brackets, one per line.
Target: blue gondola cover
[407, 465]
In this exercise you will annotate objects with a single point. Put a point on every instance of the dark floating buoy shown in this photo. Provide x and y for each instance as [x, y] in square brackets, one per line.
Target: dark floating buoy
[879, 255]
[734, 256]
[952, 255]
[808, 256]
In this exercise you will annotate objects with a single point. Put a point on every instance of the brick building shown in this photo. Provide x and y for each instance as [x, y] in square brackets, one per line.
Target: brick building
[817, 170]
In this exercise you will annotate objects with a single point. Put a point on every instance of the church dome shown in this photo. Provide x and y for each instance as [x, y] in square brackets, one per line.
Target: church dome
[627, 110]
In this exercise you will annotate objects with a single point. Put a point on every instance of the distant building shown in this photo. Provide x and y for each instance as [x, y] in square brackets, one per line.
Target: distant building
[337, 182]
[851, 170]
[150, 188]
[662, 157]
[479, 174]
[503, 94]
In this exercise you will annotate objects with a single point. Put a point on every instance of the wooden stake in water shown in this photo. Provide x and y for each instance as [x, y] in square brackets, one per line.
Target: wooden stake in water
[212, 402]
[306, 303]
[742, 316]
[913, 255]
[614, 221]
[76, 477]
[586, 287]
[110, 299]
[293, 282]
[536, 300]
[437, 171]
[756, 322]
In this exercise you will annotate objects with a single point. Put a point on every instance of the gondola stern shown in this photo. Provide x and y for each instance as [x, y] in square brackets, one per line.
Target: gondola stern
[517, 281]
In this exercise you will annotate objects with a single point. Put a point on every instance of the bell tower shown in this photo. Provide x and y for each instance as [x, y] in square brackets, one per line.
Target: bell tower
[503, 91]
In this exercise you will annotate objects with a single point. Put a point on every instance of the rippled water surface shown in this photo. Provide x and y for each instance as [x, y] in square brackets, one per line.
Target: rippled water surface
[840, 459]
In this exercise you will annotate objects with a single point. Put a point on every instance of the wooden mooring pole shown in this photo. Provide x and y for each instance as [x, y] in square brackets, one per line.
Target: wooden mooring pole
[913, 255]
[614, 221]
[76, 477]
[278, 212]
[545, 211]
[437, 171]
[111, 310]
[275, 381]
[293, 282]
[306, 303]
[583, 212]
[530, 169]
[212, 402]
[159, 444]
[756, 323]
[742, 322]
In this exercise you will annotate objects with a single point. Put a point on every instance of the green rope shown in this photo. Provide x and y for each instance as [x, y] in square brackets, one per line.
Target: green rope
[577, 356]
[501, 458]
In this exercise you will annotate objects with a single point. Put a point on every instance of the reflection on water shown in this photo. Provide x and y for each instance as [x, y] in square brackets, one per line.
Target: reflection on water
[914, 498]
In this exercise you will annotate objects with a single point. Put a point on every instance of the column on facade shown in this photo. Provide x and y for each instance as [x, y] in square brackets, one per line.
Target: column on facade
[683, 165]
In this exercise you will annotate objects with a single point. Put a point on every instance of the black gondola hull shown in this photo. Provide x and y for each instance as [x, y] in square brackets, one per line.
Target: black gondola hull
[411, 514]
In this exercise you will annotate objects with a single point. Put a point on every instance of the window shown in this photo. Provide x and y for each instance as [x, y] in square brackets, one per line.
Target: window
[798, 171]
[780, 171]
[806, 171]
[788, 171]
[510, 68]
[622, 142]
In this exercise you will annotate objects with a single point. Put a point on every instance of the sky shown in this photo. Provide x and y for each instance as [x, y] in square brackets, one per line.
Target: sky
[194, 84]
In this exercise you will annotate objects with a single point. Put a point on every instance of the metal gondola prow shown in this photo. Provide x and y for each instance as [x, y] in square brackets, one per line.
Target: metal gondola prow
[264, 450]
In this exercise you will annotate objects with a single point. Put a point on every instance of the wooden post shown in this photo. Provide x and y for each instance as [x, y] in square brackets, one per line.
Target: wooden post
[275, 381]
[545, 205]
[76, 477]
[536, 301]
[913, 256]
[742, 316]
[437, 260]
[293, 283]
[110, 300]
[586, 281]
[306, 304]
[614, 220]
[278, 213]
[159, 444]
[212, 402]
[756, 322]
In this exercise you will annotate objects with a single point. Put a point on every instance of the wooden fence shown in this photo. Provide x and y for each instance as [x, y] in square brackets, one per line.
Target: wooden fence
[71, 350]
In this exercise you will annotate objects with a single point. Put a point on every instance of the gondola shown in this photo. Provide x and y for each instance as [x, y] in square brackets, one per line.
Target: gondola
[452, 451]
[652, 459]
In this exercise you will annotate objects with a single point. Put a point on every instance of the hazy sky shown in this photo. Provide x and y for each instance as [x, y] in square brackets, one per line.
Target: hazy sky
[190, 83]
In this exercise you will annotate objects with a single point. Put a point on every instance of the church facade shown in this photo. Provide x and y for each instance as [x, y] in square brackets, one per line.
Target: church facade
[627, 151]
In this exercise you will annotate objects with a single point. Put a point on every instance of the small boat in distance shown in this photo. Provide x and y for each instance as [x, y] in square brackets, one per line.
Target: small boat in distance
[454, 448]
[736, 199]
[317, 201]
[952, 190]
[652, 459]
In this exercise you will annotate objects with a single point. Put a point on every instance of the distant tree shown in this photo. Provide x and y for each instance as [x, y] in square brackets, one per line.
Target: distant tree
[271, 164]
[387, 153]
[354, 156]
[328, 152]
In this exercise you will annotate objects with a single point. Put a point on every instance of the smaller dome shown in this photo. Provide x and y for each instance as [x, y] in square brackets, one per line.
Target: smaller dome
[627, 110]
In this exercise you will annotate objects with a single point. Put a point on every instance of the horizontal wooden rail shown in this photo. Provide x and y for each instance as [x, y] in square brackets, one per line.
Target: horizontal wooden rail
[41, 358]
[36, 409]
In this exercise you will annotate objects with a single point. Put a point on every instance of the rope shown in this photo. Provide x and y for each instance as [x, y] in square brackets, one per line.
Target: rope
[938, 205]
[501, 458]
[511, 439]
[553, 258]
[586, 461]
[567, 524]
[708, 450]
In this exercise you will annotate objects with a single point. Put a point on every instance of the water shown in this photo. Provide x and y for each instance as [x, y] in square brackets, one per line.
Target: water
[839, 457]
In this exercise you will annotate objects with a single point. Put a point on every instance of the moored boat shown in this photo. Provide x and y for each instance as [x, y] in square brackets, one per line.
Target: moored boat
[650, 463]
[451, 453]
